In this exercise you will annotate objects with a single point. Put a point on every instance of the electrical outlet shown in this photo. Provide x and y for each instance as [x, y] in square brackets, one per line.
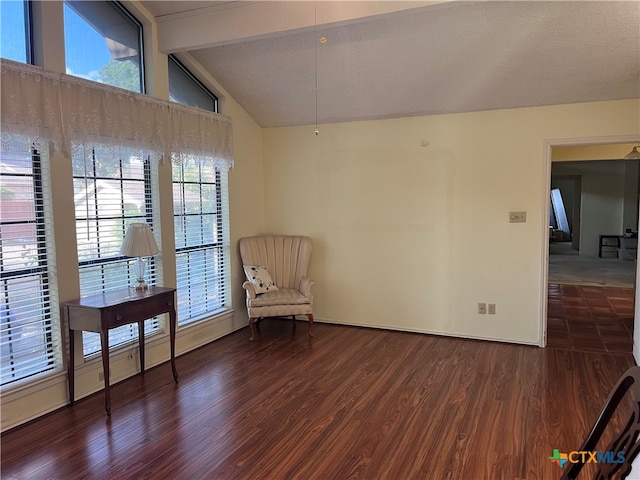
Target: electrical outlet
[482, 308]
[491, 308]
[101, 375]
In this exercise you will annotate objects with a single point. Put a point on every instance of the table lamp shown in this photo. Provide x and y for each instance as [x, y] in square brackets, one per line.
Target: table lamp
[139, 243]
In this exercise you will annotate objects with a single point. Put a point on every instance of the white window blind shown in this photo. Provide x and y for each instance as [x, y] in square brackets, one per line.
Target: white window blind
[201, 226]
[112, 189]
[102, 121]
[29, 317]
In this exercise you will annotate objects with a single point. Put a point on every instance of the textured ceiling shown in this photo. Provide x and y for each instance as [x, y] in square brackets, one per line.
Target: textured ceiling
[447, 57]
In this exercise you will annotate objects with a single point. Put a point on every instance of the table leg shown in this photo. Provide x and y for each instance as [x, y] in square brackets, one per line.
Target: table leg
[104, 344]
[141, 342]
[172, 341]
[600, 247]
[71, 374]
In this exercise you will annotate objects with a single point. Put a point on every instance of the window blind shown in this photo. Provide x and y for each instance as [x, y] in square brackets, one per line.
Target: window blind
[201, 223]
[112, 189]
[29, 319]
[89, 122]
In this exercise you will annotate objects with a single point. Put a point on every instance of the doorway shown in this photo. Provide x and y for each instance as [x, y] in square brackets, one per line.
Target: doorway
[591, 290]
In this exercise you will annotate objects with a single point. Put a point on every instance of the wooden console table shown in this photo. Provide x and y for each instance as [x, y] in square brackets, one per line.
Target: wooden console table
[102, 312]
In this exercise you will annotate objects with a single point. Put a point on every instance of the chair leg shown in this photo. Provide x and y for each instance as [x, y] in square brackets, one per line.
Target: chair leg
[310, 317]
[252, 328]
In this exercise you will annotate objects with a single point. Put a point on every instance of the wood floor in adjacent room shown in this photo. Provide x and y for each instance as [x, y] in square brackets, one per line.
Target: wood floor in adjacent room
[590, 318]
[350, 403]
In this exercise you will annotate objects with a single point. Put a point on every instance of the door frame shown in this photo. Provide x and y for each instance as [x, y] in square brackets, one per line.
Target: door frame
[546, 189]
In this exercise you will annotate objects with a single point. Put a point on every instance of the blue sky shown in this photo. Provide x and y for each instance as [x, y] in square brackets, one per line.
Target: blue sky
[12, 43]
[86, 50]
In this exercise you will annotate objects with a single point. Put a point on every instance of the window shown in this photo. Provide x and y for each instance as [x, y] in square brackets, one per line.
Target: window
[112, 189]
[201, 223]
[15, 31]
[103, 43]
[29, 319]
[187, 89]
[200, 214]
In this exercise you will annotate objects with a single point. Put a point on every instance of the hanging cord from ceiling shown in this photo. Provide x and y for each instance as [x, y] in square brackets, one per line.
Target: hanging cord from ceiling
[315, 58]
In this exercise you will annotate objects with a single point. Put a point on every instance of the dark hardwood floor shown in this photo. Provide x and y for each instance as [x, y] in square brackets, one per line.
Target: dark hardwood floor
[349, 403]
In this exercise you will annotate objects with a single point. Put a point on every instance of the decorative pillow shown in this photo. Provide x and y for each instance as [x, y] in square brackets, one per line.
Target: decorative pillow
[259, 276]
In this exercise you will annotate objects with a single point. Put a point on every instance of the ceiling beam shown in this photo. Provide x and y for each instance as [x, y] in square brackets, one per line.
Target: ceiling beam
[241, 21]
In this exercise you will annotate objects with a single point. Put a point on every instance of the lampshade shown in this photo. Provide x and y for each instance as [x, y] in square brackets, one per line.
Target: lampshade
[634, 154]
[139, 241]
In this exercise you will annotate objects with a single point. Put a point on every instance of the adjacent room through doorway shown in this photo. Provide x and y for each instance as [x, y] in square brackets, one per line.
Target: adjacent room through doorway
[592, 249]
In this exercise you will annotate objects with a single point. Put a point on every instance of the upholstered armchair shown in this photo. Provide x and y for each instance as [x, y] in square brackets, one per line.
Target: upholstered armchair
[277, 284]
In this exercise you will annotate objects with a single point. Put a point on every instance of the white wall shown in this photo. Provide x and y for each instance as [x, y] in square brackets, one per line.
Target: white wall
[630, 209]
[602, 206]
[412, 238]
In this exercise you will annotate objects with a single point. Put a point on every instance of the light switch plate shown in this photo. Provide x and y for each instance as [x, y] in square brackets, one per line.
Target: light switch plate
[517, 217]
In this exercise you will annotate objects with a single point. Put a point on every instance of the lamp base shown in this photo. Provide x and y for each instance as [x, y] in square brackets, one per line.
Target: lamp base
[140, 285]
[140, 282]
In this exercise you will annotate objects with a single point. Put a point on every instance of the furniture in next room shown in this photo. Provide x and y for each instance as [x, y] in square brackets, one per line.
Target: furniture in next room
[624, 246]
[628, 249]
[277, 284]
[623, 406]
[608, 243]
[102, 312]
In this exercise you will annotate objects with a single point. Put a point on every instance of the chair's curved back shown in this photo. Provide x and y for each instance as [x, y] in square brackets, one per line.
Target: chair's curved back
[286, 257]
[627, 441]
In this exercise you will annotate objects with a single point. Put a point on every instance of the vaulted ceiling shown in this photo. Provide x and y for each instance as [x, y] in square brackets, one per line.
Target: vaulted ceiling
[385, 59]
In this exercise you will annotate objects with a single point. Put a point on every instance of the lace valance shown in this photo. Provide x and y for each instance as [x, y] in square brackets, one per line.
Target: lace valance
[68, 110]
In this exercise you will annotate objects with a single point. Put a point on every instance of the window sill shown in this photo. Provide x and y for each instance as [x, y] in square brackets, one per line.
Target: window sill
[31, 385]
